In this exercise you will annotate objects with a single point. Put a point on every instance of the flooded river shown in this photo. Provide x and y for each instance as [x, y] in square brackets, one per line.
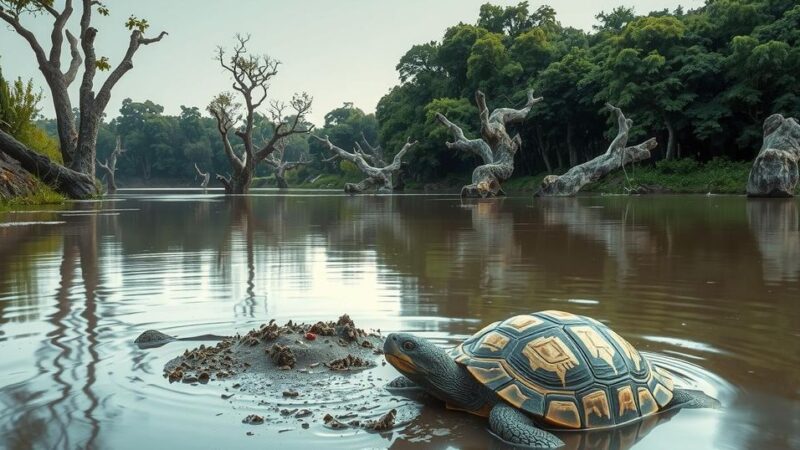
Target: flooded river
[708, 287]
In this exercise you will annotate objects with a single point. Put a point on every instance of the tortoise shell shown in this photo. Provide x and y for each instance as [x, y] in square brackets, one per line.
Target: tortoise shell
[570, 371]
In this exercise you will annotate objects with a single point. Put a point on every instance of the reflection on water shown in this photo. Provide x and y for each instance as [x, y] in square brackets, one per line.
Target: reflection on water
[709, 285]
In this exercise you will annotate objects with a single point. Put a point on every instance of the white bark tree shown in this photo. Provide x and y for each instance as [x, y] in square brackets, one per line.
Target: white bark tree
[77, 138]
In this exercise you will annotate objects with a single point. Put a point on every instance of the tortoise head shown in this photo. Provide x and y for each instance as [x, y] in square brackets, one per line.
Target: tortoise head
[420, 360]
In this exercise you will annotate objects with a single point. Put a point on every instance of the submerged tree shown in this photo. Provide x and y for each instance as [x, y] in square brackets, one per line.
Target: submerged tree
[251, 76]
[615, 158]
[380, 178]
[78, 139]
[495, 147]
[277, 161]
[110, 166]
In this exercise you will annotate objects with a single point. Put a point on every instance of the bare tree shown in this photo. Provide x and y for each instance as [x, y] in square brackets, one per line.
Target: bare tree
[377, 177]
[616, 157]
[251, 76]
[78, 140]
[110, 166]
[496, 148]
[204, 176]
[277, 161]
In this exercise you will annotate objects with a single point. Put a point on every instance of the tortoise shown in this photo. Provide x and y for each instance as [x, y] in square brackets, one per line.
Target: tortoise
[545, 370]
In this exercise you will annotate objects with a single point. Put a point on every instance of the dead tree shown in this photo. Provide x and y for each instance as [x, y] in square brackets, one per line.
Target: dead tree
[277, 162]
[496, 148]
[205, 176]
[379, 178]
[775, 169]
[251, 77]
[110, 166]
[78, 140]
[615, 158]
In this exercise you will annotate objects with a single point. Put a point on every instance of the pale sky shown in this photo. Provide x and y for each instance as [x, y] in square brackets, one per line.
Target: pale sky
[337, 51]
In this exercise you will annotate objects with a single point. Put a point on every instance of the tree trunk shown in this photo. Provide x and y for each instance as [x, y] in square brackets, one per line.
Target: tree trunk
[65, 181]
[560, 159]
[543, 151]
[614, 158]
[573, 154]
[775, 169]
[670, 140]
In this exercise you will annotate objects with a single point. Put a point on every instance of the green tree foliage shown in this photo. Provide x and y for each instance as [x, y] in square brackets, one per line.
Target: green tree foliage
[701, 81]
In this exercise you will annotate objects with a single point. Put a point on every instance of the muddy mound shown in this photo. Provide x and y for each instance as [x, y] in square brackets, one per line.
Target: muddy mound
[286, 352]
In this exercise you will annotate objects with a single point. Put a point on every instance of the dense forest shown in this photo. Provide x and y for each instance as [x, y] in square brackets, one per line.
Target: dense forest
[702, 81]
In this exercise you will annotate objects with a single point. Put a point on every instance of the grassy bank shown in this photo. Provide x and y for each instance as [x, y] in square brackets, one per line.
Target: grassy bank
[42, 195]
[683, 176]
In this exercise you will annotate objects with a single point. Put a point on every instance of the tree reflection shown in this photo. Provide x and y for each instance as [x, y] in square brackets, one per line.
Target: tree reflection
[69, 345]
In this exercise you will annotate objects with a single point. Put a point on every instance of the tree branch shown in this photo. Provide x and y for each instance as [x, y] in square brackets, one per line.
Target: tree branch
[397, 161]
[57, 35]
[508, 115]
[75, 62]
[476, 146]
[104, 95]
[623, 129]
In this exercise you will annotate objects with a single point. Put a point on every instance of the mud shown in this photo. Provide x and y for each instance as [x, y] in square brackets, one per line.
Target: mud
[287, 352]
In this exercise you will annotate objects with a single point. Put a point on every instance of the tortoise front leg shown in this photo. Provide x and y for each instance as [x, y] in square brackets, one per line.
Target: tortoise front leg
[513, 426]
[403, 384]
[690, 398]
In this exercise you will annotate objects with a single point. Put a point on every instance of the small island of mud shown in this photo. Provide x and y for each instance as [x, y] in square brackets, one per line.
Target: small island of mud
[291, 351]
[294, 375]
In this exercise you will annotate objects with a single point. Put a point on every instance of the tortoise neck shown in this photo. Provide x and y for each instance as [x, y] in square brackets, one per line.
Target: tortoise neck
[458, 388]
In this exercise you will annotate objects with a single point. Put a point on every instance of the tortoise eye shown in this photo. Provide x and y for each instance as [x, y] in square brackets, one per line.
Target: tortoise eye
[408, 345]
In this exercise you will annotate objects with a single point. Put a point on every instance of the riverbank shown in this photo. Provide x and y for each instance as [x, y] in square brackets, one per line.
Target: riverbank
[20, 188]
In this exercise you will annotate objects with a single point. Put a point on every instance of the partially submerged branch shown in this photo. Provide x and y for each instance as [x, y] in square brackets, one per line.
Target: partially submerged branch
[615, 158]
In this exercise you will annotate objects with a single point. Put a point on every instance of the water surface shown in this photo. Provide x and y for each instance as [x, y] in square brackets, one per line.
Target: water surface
[706, 286]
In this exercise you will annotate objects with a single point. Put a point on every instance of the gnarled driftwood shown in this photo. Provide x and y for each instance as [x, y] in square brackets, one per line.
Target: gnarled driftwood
[377, 177]
[616, 157]
[775, 171]
[110, 166]
[496, 148]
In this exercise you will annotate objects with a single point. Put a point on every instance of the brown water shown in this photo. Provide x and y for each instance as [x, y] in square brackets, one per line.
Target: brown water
[709, 287]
